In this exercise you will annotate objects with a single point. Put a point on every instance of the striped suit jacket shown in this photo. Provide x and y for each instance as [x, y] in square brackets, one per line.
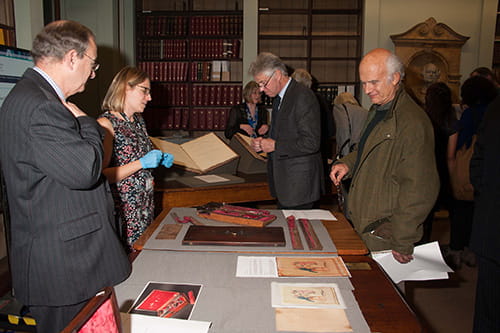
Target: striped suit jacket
[64, 246]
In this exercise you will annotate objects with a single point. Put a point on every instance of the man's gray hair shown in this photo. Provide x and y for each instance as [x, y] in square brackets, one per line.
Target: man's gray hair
[395, 65]
[267, 63]
[59, 37]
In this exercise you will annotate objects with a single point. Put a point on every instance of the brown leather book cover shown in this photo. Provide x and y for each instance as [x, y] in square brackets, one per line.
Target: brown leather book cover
[234, 236]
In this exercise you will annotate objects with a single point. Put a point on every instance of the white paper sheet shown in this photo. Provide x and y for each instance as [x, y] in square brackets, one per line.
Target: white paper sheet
[256, 267]
[211, 178]
[306, 295]
[135, 323]
[428, 264]
[311, 214]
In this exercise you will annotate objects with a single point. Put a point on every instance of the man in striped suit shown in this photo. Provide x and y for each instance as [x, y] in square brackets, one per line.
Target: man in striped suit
[64, 244]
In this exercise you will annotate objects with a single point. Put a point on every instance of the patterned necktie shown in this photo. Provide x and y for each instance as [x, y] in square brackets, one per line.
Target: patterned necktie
[276, 104]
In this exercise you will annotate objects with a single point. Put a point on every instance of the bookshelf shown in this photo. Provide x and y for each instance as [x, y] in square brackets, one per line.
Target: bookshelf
[192, 51]
[496, 46]
[322, 36]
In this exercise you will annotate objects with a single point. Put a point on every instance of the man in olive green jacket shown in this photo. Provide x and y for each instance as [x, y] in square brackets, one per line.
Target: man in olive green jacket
[394, 178]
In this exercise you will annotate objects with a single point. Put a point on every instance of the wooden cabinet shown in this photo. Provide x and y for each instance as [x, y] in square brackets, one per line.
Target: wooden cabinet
[7, 26]
[192, 51]
[322, 36]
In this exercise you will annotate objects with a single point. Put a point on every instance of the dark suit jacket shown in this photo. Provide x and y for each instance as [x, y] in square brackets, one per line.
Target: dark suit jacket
[238, 116]
[485, 177]
[295, 169]
[64, 245]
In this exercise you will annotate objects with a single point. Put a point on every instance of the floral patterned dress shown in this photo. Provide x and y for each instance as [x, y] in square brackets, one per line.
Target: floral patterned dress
[133, 196]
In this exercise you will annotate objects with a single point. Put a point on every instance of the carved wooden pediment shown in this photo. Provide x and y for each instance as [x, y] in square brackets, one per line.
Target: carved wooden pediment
[430, 32]
[431, 53]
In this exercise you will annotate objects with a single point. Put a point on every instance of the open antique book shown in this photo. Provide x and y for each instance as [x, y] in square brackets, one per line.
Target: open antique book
[199, 155]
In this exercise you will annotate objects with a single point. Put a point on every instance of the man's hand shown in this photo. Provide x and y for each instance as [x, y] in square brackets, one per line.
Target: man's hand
[338, 172]
[256, 144]
[75, 110]
[402, 258]
[267, 145]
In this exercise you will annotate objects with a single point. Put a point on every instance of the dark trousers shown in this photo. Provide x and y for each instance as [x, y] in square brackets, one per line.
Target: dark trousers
[461, 215]
[486, 316]
[53, 319]
[309, 205]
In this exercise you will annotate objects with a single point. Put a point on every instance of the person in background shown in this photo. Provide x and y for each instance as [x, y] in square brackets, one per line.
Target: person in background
[394, 181]
[350, 120]
[486, 73]
[248, 118]
[294, 165]
[485, 177]
[327, 124]
[476, 93]
[128, 151]
[64, 246]
[439, 108]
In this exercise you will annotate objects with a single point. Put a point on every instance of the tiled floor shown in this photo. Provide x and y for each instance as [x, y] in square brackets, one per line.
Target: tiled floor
[445, 306]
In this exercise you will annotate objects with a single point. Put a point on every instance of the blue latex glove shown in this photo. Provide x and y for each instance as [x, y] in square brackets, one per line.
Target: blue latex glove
[168, 160]
[151, 159]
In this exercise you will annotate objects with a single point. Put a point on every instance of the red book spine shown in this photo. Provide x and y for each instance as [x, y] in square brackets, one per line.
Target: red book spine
[193, 120]
[218, 95]
[185, 119]
[223, 118]
[177, 118]
[230, 97]
[210, 119]
[216, 119]
[202, 119]
[170, 118]
[194, 97]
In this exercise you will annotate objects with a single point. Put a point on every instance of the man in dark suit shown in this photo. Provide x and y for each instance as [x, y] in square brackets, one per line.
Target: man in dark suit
[485, 177]
[64, 247]
[295, 169]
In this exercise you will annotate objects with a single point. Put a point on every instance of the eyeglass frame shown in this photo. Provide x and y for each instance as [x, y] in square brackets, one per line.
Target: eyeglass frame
[264, 85]
[95, 64]
[145, 90]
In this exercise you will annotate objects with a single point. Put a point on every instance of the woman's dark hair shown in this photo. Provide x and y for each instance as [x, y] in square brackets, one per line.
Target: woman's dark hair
[477, 90]
[438, 104]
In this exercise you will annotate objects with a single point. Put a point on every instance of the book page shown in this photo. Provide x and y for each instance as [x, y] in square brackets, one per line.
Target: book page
[180, 156]
[208, 151]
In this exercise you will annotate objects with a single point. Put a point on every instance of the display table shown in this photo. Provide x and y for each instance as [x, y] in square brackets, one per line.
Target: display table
[175, 194]
[381, 304]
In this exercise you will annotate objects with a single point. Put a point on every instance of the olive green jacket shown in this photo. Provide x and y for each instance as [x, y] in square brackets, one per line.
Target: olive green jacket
[396, 183]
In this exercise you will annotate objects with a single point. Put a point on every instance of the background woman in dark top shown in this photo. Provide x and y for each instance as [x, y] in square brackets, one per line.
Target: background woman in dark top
[439, 108]
[476, 92]
[248, 118]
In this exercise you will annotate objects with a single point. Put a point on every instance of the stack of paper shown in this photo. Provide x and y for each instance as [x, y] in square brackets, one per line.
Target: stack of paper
[428, 264]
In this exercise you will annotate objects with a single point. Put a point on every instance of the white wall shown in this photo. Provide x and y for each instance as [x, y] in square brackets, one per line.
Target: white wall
[28, 15]
[475, 19]
[101, 16]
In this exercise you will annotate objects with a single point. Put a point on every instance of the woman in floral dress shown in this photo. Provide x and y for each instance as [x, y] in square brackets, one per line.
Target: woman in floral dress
[128, 153]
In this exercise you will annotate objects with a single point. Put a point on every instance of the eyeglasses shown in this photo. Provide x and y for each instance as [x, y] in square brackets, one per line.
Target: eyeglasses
[95, 64]
[264, 85]
[145, 90]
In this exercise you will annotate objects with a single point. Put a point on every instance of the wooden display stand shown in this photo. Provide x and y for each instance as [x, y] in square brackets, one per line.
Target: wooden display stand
[431, 53]
[250, 162]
